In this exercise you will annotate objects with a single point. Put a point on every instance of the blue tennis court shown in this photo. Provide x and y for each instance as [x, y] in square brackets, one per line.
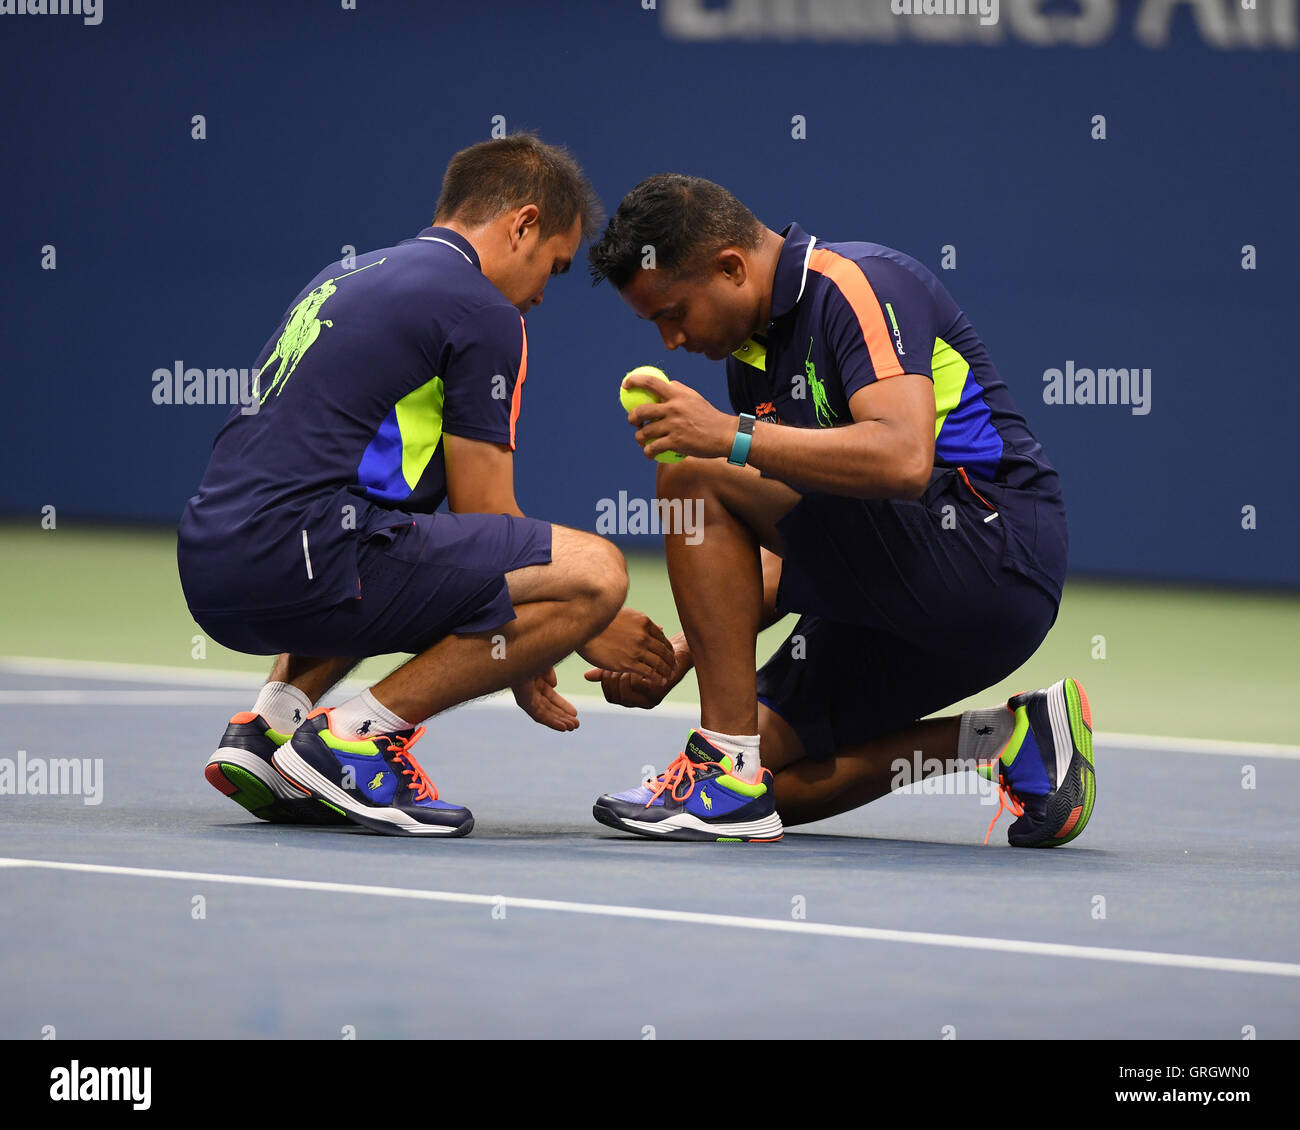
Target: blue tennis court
[165, 911]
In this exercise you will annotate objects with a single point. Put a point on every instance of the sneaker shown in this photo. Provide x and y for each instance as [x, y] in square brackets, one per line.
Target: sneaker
[1045, 773]
[696, 798]
[375, 780]
[241, 769]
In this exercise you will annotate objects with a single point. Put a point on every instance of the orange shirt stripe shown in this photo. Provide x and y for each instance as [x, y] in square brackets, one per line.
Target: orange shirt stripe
[519, 384]
[852, 283]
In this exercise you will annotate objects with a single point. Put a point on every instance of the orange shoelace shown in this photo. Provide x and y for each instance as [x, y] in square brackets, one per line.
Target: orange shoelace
[1006, 802]
[400, 749]
[682, 769]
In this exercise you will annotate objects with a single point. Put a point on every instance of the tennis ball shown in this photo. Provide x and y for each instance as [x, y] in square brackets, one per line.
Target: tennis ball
[631, 397]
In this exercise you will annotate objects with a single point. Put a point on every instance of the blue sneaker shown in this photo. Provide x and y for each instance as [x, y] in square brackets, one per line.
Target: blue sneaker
[696, 798]
[241, 769]
[1045, 773]
[375, 781]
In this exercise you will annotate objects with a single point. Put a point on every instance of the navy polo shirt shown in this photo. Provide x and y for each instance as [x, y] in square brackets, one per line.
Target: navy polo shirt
[372, 364]
[847, 314]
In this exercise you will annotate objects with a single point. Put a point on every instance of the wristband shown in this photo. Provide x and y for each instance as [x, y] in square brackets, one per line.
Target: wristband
[744, 437]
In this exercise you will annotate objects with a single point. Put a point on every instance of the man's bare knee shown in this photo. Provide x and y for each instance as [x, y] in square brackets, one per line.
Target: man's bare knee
[687, 479]
[605, 575]
[584, 567]
[720, 490]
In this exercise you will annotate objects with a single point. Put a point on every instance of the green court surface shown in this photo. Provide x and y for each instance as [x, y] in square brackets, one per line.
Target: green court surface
[1159, 660]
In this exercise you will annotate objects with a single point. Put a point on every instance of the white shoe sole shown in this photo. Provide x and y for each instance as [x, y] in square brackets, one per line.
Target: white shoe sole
[391, 821]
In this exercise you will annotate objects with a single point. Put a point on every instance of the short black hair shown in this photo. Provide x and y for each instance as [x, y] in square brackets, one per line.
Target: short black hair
[496, 176]
[686, 220]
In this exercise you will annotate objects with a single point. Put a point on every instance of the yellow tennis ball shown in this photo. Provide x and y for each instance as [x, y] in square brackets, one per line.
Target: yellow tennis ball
[631, 397]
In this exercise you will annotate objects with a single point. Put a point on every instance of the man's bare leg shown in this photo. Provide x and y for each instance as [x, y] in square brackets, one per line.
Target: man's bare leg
[311, 675]
[718, 583]
[558, 608]
[587, 581]
[851, 777]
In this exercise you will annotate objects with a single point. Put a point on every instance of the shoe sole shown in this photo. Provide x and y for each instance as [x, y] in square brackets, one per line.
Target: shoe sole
[1070, 807]
[386, 821]
[238, 774]
[764, 831]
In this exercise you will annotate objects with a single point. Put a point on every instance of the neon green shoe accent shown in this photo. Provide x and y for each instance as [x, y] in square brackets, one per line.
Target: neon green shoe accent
[1018, 733]
[376, 781]
[708, 800]
[1083, 741]
[253, 794]
[1078, 727]
[729, 840]
[365, 748]
[331, 807]
[736, 785]
[278, 737]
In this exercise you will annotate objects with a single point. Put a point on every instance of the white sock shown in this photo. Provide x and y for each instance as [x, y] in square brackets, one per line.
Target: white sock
[283, 706]
[984, 733]
[741, 748]
[364, 717]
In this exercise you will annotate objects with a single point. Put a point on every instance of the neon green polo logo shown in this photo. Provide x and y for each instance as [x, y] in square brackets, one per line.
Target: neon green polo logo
[820, 401]
[375, 782]
[301, 331]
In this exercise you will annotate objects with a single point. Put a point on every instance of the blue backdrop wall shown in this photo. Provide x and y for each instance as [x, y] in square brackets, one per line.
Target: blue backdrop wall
[130, 245]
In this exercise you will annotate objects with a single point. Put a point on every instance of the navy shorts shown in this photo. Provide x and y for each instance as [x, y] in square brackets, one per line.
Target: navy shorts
[442, 574]
[907, 607]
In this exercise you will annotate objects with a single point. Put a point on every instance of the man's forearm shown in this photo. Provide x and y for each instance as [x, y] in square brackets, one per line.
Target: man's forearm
[867, 459]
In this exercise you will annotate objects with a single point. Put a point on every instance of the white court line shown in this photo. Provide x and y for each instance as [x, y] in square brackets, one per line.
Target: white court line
[695, 918]
[236, 680]
[250, 681]
[117, 698]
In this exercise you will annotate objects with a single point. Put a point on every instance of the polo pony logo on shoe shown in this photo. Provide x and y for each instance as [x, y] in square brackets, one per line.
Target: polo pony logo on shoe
[708, 800]
[375, 782]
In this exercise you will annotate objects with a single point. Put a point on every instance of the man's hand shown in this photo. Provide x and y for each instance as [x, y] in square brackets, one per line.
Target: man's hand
[683, 421]
[633, 644]
[539, 699]
[623, 689]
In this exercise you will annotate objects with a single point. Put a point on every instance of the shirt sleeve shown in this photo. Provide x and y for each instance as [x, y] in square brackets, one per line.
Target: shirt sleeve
[484, 375]
[879, 321]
